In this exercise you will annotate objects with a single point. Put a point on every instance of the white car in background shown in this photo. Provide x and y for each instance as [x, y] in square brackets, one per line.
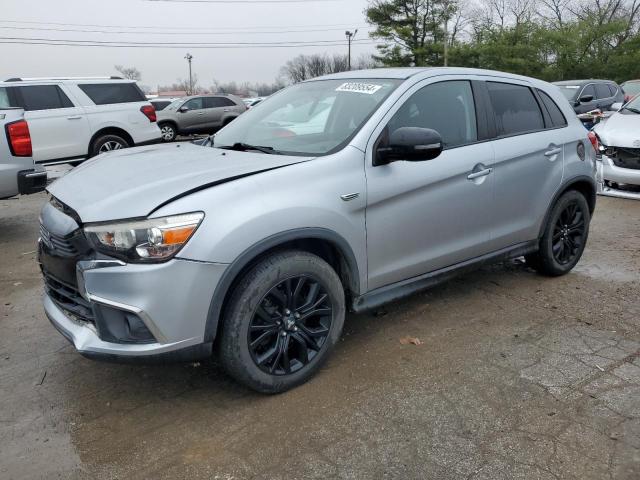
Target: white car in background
[71, 119]
[619, 138]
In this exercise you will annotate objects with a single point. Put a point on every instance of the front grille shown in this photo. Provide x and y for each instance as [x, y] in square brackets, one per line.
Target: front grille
[627, 158]
[57, 243]
[68, 299]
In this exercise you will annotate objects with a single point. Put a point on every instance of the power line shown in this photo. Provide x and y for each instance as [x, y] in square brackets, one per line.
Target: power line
[255, 2]
[9, 41]
[181, 44]
[186, 28]
[238, 32]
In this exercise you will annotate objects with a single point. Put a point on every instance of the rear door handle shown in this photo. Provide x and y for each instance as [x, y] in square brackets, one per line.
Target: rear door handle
[553, 152]
[75, 117]
[481, 173]
[227, 110]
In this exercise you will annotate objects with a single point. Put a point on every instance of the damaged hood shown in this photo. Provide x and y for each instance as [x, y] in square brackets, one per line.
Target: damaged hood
[134, 182]
[620, 130]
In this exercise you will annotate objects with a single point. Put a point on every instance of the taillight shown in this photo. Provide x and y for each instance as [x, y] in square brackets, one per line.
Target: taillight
[593, 138]
[19, 138]
[149, 112]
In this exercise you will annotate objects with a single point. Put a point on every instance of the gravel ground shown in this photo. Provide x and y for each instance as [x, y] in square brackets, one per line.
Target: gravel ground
[517, 377]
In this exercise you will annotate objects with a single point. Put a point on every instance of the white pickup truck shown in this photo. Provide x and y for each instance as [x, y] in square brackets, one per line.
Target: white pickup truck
[18, 172]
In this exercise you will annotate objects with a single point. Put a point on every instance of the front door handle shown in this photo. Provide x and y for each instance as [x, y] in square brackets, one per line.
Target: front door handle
[553, 152]
[226, 110]
[201, 113]
[480, 174]
[75, 117]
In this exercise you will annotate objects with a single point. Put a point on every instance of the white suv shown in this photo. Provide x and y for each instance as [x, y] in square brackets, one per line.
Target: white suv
[73, 119]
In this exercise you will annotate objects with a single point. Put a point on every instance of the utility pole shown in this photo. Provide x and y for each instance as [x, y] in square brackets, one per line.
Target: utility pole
[189, 57]
[350, 37]
[446, 42]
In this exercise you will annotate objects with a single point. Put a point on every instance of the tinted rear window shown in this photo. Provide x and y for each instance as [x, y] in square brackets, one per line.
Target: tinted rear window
[557, 117]
[110, 93]
[515, 107]
[215, 102]
[42, 97]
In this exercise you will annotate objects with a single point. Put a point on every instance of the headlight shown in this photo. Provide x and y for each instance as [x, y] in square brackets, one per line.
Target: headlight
[144, 241]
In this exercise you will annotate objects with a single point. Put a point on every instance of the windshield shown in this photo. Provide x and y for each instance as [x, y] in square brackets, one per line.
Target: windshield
[631, 88]
[175, 104]
[633, 105]
[569, 91]
[310, 118]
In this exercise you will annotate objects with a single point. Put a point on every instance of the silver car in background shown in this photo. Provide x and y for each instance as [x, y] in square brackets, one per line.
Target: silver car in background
[198, 114]
[340, 193]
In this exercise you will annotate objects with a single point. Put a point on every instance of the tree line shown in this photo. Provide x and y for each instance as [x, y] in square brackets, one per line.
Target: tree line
[548, 39]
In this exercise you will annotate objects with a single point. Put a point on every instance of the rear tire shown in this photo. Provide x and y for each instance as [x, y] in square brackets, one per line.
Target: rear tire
[277, 332]
[565, 236]
[107, 143]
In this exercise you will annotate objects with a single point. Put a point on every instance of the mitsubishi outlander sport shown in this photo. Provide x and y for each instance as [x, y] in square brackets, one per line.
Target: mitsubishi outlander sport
[339, 193]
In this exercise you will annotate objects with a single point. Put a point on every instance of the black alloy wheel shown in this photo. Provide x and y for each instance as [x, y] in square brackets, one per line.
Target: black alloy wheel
[290, 325]
[565, 236]
[569, 233]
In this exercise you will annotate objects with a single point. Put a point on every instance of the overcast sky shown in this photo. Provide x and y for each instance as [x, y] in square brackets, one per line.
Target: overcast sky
[171, 21]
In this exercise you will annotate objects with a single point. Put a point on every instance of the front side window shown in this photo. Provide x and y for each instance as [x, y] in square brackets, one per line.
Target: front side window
[602, 90]
[516, 109]
[195, 104]
[589, 91]
[43, 97]
[311, 118]
[446, 107]
[111, 93]
[570, 91]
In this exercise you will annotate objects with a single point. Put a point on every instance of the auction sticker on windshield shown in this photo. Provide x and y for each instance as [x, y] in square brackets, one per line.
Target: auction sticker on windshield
[366, 88]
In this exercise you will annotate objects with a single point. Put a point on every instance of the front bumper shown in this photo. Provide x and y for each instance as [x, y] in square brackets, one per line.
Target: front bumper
[172, 299]
[609, 173]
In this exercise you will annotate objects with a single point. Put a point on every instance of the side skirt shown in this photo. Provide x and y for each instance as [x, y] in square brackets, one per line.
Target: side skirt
[402, 289]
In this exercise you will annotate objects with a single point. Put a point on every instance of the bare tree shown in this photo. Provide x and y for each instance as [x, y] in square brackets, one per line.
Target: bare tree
[131, 73]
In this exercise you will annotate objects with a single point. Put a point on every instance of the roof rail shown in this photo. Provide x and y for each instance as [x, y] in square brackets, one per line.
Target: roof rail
[18, 79]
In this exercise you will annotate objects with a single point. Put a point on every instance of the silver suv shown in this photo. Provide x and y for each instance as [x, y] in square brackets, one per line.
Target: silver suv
[340, 193]
[198, 114]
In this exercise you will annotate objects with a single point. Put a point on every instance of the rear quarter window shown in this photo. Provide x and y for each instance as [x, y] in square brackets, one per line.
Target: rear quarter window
[111, 93]
[557, 117]
[516, 109]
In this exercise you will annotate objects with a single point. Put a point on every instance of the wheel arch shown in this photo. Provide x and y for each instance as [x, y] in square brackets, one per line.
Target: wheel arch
[583, 184]
[326, 244]
[110, 131]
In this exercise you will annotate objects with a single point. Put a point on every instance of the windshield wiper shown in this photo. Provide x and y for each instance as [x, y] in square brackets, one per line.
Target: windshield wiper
[244, 147]
[631, 109]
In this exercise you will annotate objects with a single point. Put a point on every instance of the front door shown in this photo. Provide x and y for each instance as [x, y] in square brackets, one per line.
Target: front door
[424, 216]
[195, 117]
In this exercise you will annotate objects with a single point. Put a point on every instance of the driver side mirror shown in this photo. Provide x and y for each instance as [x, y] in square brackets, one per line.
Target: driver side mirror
[411, 144]
[183, 109]
[586, 99]
[616, 107]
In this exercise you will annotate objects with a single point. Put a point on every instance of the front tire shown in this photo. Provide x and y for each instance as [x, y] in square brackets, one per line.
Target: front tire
[565, 236]
[284, 318]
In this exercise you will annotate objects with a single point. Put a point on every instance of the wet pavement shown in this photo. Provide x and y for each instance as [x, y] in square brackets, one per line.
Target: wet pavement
[517, 377]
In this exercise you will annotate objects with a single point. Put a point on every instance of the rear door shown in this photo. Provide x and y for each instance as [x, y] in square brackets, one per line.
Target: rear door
[59, 129]
[529, 162]
[216, 109]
